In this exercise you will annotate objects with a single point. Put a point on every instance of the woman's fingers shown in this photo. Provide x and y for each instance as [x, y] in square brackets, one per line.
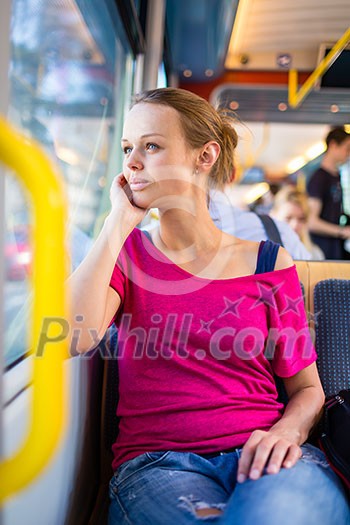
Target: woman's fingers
[266, 451]
[122, 201]
[119, 183]
[245, 465]
[284, 454]
[293, 455]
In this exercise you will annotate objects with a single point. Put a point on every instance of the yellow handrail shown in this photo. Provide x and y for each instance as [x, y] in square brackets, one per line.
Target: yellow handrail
[49, 404]
[296, 97]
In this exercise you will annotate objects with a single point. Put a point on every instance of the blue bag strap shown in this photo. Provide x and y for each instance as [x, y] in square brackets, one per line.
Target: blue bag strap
[271, 230]
[267, 256]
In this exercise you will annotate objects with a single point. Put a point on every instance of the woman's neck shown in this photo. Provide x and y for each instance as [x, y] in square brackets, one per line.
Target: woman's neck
[180, 230]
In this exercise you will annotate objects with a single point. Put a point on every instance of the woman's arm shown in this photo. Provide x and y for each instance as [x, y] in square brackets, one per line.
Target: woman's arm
[93, 301]
[280, 446]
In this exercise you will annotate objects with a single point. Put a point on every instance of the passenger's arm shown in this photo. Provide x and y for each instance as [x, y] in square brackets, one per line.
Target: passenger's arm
[280, 446]
[93, 301]
[321, 227]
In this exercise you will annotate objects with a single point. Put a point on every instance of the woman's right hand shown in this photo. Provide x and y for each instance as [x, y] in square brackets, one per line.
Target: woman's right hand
[122, 201]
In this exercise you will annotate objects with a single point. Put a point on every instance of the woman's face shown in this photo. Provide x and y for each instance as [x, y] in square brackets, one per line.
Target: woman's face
[293, 214]
[158, 164]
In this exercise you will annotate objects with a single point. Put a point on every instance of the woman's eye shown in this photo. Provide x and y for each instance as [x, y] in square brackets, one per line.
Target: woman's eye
[127, 150]
[151, 146]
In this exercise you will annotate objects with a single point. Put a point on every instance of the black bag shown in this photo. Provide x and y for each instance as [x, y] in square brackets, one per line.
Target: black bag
[334, 438]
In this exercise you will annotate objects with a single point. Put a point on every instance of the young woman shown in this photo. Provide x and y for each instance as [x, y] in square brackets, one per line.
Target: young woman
[204, 322]
[291, 206]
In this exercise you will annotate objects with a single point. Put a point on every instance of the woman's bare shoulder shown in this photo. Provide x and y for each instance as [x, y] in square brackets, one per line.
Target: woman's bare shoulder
[243, 251]
[284, 259]
[248, 251]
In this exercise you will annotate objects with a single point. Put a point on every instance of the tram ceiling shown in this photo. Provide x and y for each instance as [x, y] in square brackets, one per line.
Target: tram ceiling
[265, 29]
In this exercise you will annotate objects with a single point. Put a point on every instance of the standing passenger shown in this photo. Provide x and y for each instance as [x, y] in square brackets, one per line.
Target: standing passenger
[202, 435]
[326, 197]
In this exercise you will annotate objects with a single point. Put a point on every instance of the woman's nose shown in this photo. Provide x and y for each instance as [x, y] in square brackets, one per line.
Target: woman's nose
[133, 161]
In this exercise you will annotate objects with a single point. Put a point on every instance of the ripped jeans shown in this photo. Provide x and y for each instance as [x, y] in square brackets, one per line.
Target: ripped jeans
[176, 488]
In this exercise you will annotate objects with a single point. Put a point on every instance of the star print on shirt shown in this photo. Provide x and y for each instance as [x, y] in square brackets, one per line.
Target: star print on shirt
[231, 307]
[292, 305]
[266, 295]
[205, 326]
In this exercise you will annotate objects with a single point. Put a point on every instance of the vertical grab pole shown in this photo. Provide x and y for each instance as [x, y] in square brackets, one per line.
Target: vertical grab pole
[49, 323]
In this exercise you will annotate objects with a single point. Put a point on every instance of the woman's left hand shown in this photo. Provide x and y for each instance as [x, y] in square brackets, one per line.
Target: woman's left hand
[270, 450]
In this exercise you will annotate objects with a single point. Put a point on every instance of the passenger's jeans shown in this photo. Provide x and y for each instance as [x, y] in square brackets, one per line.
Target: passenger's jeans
[175, 488]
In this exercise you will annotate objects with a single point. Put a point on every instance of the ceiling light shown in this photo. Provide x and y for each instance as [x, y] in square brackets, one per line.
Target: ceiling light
[296, 164]
[234, 105]
[311, 153]
[257, 191]
[315, 150]
[187, 73]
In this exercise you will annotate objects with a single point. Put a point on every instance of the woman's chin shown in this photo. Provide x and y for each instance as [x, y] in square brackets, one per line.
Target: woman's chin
[141, 201]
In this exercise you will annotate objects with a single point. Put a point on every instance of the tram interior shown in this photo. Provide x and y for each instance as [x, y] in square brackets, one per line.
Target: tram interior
[71, 68]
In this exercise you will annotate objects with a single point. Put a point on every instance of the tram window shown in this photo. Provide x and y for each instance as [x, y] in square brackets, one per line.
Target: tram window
[70, 81]
[345, 179]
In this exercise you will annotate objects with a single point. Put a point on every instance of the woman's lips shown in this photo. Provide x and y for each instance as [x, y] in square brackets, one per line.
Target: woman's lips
[138, 184]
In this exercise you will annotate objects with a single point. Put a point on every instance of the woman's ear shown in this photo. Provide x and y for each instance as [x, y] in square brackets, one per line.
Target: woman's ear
[208, 155]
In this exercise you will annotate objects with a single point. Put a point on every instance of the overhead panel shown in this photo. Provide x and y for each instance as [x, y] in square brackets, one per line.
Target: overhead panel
[270, 104]
[198, 34]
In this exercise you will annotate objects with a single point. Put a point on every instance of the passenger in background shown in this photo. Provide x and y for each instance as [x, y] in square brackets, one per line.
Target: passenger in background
[247, 225]
[202, 434]
[291, 206]
[326, 197]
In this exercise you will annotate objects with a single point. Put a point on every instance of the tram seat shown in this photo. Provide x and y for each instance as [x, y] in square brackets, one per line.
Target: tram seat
[326, 287]
[332, 332]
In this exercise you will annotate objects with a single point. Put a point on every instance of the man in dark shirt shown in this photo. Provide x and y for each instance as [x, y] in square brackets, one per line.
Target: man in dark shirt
[326, 197]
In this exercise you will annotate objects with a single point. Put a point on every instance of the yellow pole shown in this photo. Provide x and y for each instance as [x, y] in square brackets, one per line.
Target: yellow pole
[295, 97]
[49, 406]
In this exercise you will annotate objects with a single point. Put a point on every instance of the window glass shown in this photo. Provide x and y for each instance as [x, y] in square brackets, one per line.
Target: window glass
[70, 78]
[345, 179]
[162, 79]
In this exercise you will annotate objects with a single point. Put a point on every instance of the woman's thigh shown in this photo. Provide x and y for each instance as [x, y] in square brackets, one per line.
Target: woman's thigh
[307, 494]
[168, 488]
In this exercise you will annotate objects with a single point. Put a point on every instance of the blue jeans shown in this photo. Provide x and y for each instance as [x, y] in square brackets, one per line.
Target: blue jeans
[176, 488]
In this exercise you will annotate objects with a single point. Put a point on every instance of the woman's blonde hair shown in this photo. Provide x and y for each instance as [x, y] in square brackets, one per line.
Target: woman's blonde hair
[293, 195]
[201, 123]
[290, 194]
